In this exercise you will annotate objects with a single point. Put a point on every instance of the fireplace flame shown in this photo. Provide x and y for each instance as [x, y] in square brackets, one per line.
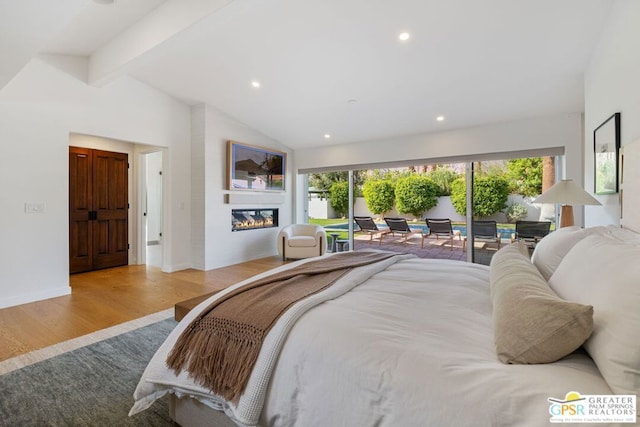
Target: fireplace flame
[248, 220]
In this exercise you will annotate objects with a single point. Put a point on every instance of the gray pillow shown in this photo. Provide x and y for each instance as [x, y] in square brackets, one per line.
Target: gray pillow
[531, 323]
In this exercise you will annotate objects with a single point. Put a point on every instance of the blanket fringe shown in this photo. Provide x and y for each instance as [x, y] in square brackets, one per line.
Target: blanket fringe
[215, 347]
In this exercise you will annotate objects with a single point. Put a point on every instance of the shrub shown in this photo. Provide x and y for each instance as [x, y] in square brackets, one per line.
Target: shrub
[339, 195]
[490, 195]
[379, 195]
[443, 178]
[516, 212]
[415, 194]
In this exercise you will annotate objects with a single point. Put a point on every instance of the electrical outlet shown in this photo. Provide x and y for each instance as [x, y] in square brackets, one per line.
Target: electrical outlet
[34, 207]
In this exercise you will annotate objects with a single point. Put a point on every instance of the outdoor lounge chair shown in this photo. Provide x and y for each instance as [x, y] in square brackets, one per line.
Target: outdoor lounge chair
[440, 227]
[401, 227]
[531, 231]
[484, 231]
[367, 225]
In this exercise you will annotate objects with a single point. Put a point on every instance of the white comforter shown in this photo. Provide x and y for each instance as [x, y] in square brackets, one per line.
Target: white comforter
[410, 346]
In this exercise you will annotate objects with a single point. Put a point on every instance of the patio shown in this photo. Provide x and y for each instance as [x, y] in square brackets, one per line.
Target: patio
[433, 248]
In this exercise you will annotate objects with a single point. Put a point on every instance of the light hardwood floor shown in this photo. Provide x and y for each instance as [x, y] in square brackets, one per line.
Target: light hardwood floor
[104, 298]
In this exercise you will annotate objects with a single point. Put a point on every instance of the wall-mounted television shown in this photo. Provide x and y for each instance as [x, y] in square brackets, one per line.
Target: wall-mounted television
[255, 168]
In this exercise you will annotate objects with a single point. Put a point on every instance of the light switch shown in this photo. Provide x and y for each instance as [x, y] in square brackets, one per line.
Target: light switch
[34, 207]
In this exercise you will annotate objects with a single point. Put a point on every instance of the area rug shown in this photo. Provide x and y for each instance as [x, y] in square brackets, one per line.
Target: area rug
[75, 384]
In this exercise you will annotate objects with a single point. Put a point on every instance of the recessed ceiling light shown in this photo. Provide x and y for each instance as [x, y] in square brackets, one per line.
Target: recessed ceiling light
[440, 118]
[404, 36]
[255, 84]
[327, 136]
[352, 101]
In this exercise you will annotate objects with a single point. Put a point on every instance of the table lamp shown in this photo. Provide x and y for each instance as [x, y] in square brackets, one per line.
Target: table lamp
[567, 193]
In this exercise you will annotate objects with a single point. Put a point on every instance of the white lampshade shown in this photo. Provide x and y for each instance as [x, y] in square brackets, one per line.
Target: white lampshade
[567, 192]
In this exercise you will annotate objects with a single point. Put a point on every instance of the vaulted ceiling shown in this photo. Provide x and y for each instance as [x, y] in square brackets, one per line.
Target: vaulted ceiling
[326, 67]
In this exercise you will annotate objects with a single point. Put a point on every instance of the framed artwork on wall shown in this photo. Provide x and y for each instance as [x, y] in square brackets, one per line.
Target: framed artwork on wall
[606, 147]
[255, 168]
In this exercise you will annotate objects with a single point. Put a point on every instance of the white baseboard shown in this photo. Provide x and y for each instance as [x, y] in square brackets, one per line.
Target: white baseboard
[34, 296]
[174, 268]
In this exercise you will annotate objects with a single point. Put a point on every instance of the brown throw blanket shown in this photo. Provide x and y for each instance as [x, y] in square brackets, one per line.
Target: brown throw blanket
[220, 347]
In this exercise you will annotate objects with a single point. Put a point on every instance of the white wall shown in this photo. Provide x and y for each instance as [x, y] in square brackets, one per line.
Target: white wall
[493, 141]
[212, 220]
[611, 85]
[39, 109]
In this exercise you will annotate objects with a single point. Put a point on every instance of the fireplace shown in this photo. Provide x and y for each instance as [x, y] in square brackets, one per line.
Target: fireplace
[252, 219]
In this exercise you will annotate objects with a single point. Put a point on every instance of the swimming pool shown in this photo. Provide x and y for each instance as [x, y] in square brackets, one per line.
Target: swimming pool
[505, 233]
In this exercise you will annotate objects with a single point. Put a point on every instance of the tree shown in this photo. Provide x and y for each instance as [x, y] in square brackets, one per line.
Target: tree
[490, 195]
[443, 178]
[339, 195]
[272, 165]
[548, 172]
[526, 175]
[324, 181]
[415, 194]
[379, 195]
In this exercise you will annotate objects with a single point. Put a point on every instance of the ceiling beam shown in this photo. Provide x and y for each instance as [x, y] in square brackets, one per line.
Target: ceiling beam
[26, 26]
[122, 53]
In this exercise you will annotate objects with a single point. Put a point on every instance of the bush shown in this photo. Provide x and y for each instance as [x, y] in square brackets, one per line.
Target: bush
[415, 194]
[379, 195]
[490, 195]
[516, 212]
[526, 175]
[443, 178]
[339, 195]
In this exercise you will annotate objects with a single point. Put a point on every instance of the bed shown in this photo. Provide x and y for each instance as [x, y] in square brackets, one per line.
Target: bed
[408, 341]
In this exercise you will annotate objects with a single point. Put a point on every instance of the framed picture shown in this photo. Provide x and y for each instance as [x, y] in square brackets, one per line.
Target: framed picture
[606, 147]
[255, 168]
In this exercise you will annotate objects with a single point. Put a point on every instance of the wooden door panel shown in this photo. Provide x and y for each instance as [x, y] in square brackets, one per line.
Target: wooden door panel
[121, 245]
[101, 181]
[79, 247]
[118, 199]
[80, 174]
[101, 237]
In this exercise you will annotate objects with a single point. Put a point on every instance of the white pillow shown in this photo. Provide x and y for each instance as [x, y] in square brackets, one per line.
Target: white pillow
[553, 247]
[605, 273]
[550, 251]
[623, 234]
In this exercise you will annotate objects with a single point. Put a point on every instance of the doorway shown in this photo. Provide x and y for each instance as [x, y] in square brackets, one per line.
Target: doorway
[98, 209]
[152, 203]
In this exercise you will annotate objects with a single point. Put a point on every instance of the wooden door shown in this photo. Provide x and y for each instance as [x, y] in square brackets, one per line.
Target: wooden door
[80, 208]
[98, 209]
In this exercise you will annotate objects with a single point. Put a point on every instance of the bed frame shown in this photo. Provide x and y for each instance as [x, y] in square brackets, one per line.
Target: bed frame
[189, 412]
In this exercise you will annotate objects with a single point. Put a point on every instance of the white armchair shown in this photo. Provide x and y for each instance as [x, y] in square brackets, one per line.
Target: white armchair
[302, 241]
